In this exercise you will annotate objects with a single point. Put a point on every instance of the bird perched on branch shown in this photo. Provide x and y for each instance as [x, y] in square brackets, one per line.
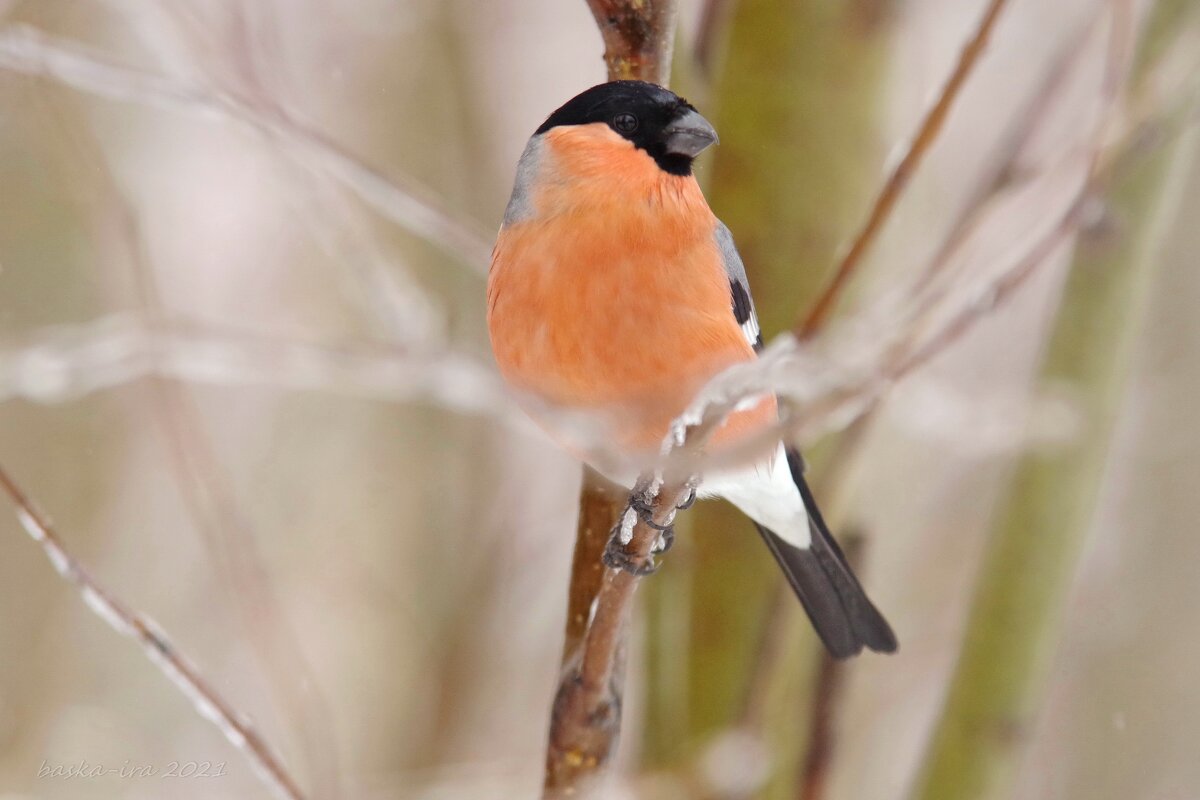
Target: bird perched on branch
[615, 293]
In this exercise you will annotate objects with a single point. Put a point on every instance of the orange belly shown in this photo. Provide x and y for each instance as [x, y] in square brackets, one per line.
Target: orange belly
[618, 305]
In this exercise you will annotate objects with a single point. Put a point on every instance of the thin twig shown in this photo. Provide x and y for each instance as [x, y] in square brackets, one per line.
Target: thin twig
[861, 368]
[177, 667]
[1005, 166]
[65, 362]
[969, 218]
[28, 51]
[894, 186]
[818, 408]
[227, 533]
[1017, 609]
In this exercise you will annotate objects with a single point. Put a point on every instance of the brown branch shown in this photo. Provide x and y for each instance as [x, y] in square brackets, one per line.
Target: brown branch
[586, 718]
[179, 669]
[969, 217]
[599, 504]
[856, 383]
[639, 36]
[929, 323]
[896, 182]
[1005, 167]
[584, 725]
[847, 399]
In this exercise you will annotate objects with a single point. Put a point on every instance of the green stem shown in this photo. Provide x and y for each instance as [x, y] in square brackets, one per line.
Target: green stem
[1017, 614]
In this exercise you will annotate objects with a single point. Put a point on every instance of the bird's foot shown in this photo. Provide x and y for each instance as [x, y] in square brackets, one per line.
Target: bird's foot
[616, 556]
[645, 508]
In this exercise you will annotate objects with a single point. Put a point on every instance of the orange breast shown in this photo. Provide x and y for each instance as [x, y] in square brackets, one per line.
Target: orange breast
[612, 297]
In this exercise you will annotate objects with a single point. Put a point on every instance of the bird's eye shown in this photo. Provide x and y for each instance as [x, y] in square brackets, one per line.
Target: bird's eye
[625, 123]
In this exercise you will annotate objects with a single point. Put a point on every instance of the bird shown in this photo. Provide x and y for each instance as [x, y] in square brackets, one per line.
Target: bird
[614, 294]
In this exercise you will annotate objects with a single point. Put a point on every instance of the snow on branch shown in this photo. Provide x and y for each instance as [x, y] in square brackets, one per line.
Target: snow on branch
[175, 665]
[29, 51]
[65, 362]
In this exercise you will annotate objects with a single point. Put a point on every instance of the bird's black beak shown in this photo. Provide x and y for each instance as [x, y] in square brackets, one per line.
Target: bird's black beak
[689, 135]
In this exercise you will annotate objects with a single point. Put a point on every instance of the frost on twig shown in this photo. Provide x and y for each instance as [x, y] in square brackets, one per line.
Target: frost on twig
[28, 51]
[177, 667]
[61, 363]
[899, 175]
[825, 383]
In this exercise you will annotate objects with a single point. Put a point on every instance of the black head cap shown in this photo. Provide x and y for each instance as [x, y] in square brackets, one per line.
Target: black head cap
[655, 119]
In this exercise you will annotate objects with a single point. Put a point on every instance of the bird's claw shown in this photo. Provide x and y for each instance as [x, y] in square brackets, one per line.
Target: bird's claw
[688, 501]
[646, 510]
[666, 540]
[617, 557]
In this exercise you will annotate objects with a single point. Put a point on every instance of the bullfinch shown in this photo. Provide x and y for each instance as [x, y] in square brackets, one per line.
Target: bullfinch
[616, 294]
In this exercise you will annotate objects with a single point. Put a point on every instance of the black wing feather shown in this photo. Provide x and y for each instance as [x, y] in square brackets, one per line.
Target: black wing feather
[840, 610]
[739, 287]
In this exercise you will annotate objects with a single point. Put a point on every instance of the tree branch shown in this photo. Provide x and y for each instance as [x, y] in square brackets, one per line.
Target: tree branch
[586, 718]
[585, 723]
[894, 186]
[28, 51]
[64, 362]
[639, 37]
[178, 668]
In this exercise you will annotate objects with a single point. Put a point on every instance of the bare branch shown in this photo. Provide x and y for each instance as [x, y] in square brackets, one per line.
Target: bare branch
[28, 51]
[639, 36]
[828, 383]
[177, 667]
[894, 186]
[596, 517]
[827, 386]
[66, 362]
[638, 39]
[586, 719]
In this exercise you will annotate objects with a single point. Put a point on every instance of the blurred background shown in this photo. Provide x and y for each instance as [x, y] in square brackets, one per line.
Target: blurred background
[243, 367]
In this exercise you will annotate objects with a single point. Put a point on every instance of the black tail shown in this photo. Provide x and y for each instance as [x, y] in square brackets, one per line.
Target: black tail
[840, 610]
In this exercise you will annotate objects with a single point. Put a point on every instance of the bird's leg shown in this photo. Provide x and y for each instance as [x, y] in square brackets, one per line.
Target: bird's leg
[641, 504]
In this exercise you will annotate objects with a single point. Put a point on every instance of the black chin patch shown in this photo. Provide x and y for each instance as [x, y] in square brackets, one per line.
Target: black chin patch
[672, 163]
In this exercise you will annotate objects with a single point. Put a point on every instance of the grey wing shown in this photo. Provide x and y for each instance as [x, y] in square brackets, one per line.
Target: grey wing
[739, 287]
